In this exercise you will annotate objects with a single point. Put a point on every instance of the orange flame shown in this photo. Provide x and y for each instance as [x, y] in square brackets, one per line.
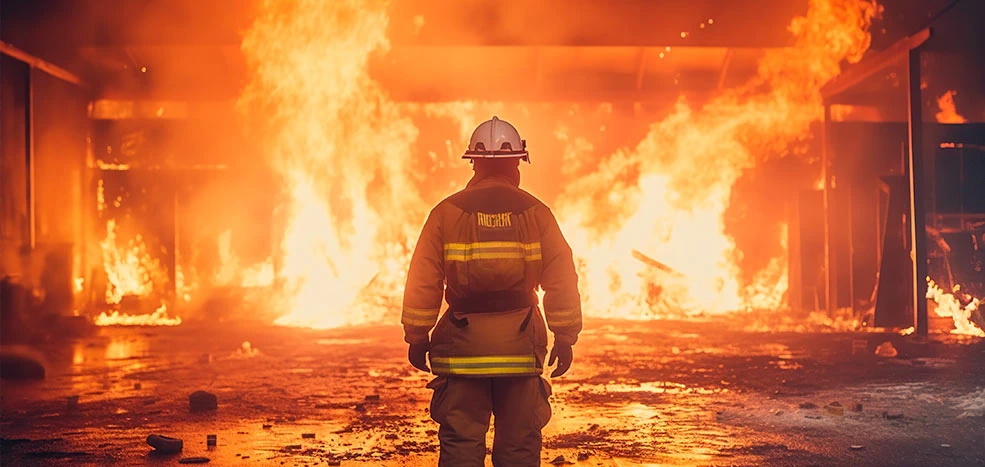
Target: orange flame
[949, 306]
[948, 111]
[158, 318]
[130, 270]
[667, 196]
[342, 149]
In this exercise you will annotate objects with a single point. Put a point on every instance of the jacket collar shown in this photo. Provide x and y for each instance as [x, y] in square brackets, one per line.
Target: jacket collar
[479, 181]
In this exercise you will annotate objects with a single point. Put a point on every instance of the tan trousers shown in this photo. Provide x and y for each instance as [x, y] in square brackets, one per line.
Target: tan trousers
[462, 407]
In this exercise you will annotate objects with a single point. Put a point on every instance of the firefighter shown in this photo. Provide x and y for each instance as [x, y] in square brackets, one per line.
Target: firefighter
[485, 250]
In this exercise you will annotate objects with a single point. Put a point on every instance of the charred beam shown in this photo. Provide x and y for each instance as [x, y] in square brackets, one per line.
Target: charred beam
[655, 264]
[874, 64]
[40, 64]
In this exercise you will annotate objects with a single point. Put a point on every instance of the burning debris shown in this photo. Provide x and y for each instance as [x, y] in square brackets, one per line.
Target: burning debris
[965, 311]
[159, 317]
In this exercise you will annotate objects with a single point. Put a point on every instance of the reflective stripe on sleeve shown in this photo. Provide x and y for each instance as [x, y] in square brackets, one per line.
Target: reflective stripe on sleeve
[492, 250]
[419, 316]
[563, 317]
[492, 365]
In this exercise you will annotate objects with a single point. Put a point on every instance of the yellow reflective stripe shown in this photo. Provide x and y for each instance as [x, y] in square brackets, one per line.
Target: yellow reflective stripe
[562, 323]
[490, 365]
[563, 312]
[474, 256]
[425, 317]
[493, 359]
[421, 312]
[492, 250]
[489, 371]
[417, 322]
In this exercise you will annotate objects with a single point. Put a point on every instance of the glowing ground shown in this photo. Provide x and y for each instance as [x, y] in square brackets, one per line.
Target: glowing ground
[649, 393]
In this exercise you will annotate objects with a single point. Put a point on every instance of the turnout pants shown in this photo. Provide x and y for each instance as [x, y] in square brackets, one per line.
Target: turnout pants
[462, 407]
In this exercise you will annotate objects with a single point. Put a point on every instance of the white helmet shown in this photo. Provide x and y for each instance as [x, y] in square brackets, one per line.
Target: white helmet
[496, 139]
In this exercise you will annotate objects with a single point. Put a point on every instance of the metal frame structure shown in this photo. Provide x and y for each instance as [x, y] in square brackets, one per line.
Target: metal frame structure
[907, 49]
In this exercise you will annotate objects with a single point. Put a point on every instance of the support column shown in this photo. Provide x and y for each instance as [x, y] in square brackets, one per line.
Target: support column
[914, 166]
[830, 293]
[29, 155]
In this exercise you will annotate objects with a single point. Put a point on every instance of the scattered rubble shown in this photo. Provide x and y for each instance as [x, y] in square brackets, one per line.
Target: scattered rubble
[560, 460]
[856, 447]
[973, 404]
[201, 401]
[886, 350]
[808, 405]
[892, 415]
[211, 440]
[22, 366]
[165, 444]
[307, 435]
[194, 460]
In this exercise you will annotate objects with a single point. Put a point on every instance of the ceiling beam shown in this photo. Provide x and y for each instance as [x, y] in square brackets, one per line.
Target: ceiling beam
[874, 64]
[41, 64]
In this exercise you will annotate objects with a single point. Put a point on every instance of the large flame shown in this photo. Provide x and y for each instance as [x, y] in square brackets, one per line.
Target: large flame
[948, 305]
[647, 223]
[342, 149]
[667, 196]
[130, 269]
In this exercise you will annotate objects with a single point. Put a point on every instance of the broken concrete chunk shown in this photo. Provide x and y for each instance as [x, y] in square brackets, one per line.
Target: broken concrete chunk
[559, 460]
[307, 435]
[201, 401]
[332, 463]
[835, 410]
[584, 455]
[165, 444]
[211, 440]
[373, 398]
[856, 407]
[267, 426]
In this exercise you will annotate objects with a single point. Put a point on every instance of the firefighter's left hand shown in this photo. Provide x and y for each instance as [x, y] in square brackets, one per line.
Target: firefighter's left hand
[563, 355]
[417, 354]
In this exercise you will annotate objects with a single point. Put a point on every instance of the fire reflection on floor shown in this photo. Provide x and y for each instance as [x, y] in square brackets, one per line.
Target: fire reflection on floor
[640, 393]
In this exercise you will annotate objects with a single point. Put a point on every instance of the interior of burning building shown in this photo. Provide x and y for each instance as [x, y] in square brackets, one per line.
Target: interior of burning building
[159, 159]
[787, 165]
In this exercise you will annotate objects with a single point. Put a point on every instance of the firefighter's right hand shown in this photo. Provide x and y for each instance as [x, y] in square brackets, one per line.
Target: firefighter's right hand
[563, 354]
[417, 354]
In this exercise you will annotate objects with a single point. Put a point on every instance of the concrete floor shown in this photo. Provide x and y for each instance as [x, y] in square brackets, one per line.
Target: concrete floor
[639, 393]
